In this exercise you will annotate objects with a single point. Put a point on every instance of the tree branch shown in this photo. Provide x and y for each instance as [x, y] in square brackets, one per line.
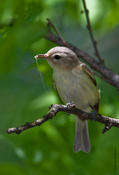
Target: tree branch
[107, 74]
[94, 42]
[71, 109]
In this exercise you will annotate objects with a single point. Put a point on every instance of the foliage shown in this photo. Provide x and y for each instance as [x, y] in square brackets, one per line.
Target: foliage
[26, 93]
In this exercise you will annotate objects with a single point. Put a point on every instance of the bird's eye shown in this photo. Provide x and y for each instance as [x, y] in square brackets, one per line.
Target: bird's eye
[57, 57]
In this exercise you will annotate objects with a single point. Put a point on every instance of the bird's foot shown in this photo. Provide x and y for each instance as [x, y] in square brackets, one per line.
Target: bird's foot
[94, 114]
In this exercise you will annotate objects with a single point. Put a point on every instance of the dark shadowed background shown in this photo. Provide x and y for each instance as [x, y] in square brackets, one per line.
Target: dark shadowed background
[26, 90]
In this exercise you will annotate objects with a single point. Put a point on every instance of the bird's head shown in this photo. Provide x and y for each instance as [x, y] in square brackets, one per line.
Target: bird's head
[60, 58]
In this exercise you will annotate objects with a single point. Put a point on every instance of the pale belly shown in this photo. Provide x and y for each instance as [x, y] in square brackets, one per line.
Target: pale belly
[79, 90]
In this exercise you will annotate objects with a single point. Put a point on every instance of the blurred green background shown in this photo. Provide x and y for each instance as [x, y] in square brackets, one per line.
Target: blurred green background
[26, 89]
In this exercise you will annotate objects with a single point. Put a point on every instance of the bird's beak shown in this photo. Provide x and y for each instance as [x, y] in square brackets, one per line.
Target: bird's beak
[45, 56]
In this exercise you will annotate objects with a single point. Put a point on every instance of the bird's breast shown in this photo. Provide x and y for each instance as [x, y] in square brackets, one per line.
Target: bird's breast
[76, 89]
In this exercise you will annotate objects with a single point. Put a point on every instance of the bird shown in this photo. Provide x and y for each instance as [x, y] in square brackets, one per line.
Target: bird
[75, 83]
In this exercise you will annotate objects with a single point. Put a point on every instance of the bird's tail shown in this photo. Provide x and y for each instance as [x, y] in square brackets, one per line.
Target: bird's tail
[82, 141]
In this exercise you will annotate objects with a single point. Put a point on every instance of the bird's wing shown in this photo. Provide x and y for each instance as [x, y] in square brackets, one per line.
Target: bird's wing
[83, 68]
[88, 72]
[91, 76]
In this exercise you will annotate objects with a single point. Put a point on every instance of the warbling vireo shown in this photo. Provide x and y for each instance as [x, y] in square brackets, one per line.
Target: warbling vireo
[75, 83]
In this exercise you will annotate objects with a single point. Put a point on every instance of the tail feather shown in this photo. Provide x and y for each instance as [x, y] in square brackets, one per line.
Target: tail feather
[82, 141]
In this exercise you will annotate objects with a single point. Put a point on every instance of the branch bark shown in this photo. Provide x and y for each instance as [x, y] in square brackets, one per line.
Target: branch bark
[70, 109]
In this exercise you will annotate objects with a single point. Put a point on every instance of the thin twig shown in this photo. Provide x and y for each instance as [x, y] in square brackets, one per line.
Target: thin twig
[52, 26]
[70, 109]
[94, 42]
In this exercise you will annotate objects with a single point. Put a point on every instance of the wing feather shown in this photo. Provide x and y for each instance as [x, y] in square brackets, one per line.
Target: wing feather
[88, 72]
[83, 68]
